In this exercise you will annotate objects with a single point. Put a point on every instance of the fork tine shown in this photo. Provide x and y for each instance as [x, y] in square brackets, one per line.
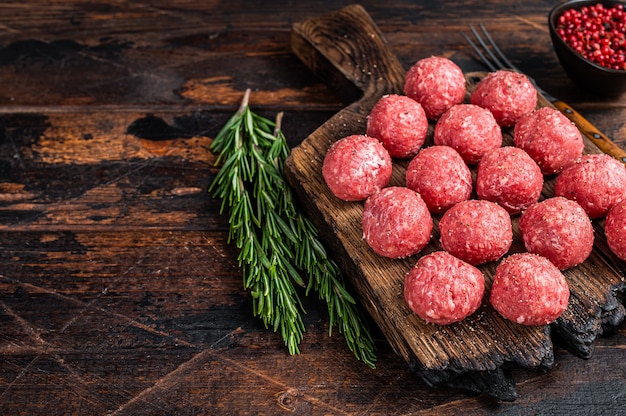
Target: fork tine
[493, 59]
[493, 62]
[489, 46]
[493, 44]
[480, 54]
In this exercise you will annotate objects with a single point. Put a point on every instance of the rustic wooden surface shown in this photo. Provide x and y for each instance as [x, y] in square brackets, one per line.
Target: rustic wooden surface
[118, 291]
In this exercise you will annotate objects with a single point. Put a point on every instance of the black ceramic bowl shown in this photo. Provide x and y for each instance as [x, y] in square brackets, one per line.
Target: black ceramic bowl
[582, 71]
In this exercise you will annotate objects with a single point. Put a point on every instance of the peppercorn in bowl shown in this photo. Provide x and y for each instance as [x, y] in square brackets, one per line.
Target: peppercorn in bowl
[589, 38]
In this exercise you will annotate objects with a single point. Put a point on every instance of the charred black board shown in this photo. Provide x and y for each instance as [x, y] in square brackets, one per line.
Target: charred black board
[347, 50]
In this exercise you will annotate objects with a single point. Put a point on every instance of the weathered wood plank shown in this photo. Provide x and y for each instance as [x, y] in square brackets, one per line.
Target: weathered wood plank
[118, 291]
[346, 43]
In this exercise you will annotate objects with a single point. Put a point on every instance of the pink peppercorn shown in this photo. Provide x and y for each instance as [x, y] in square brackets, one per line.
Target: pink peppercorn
[596, 32]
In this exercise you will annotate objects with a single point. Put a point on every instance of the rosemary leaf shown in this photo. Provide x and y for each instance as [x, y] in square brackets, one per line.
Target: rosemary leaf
[279, 246]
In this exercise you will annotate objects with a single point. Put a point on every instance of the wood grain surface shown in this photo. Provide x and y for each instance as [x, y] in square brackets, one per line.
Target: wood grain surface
[119, 293]
[349, 41]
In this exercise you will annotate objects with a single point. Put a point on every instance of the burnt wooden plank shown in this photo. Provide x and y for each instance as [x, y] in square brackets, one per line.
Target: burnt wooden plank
[348, 44]
[181, 341]
[124, 169]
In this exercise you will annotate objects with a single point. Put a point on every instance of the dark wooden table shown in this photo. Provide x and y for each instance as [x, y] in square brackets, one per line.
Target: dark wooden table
[119, 293]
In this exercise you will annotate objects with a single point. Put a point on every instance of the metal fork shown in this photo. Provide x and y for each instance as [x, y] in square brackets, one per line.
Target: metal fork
[494, 59]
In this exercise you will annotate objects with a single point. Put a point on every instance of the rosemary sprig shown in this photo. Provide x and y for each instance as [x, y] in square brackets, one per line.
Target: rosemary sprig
[278, 244]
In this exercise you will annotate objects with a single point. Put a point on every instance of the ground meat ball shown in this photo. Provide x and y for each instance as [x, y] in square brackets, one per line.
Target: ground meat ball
[510, 178]
[436, 83]
[443, 289]
[399, 123]
[596, 182]
[550, 138]
[396, 222]
[470, 130]
[615, 229]
[529, 289]
[440, 176]
[356, 166]
[476, 231]
[508, 95]
[558, 229]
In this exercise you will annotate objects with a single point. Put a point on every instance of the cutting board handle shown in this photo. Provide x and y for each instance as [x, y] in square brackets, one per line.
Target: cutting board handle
[347, 51]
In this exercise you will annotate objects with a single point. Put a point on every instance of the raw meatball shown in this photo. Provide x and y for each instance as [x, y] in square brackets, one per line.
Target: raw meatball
[399, 123]
[550, 138]
[436, 83]
[615, 229]
[558, 229]
[476, 231]
[508, 95]
[470, 130]
[356, 166]
[442, 289]
[440, 176]
[396, 222]
[529, 289]
[596, 182]
[510, 178]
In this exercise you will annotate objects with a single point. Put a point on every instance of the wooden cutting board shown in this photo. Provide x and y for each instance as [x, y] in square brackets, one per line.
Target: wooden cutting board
[347, 50]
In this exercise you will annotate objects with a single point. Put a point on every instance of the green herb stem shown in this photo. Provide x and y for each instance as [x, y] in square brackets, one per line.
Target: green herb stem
[279, 247]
